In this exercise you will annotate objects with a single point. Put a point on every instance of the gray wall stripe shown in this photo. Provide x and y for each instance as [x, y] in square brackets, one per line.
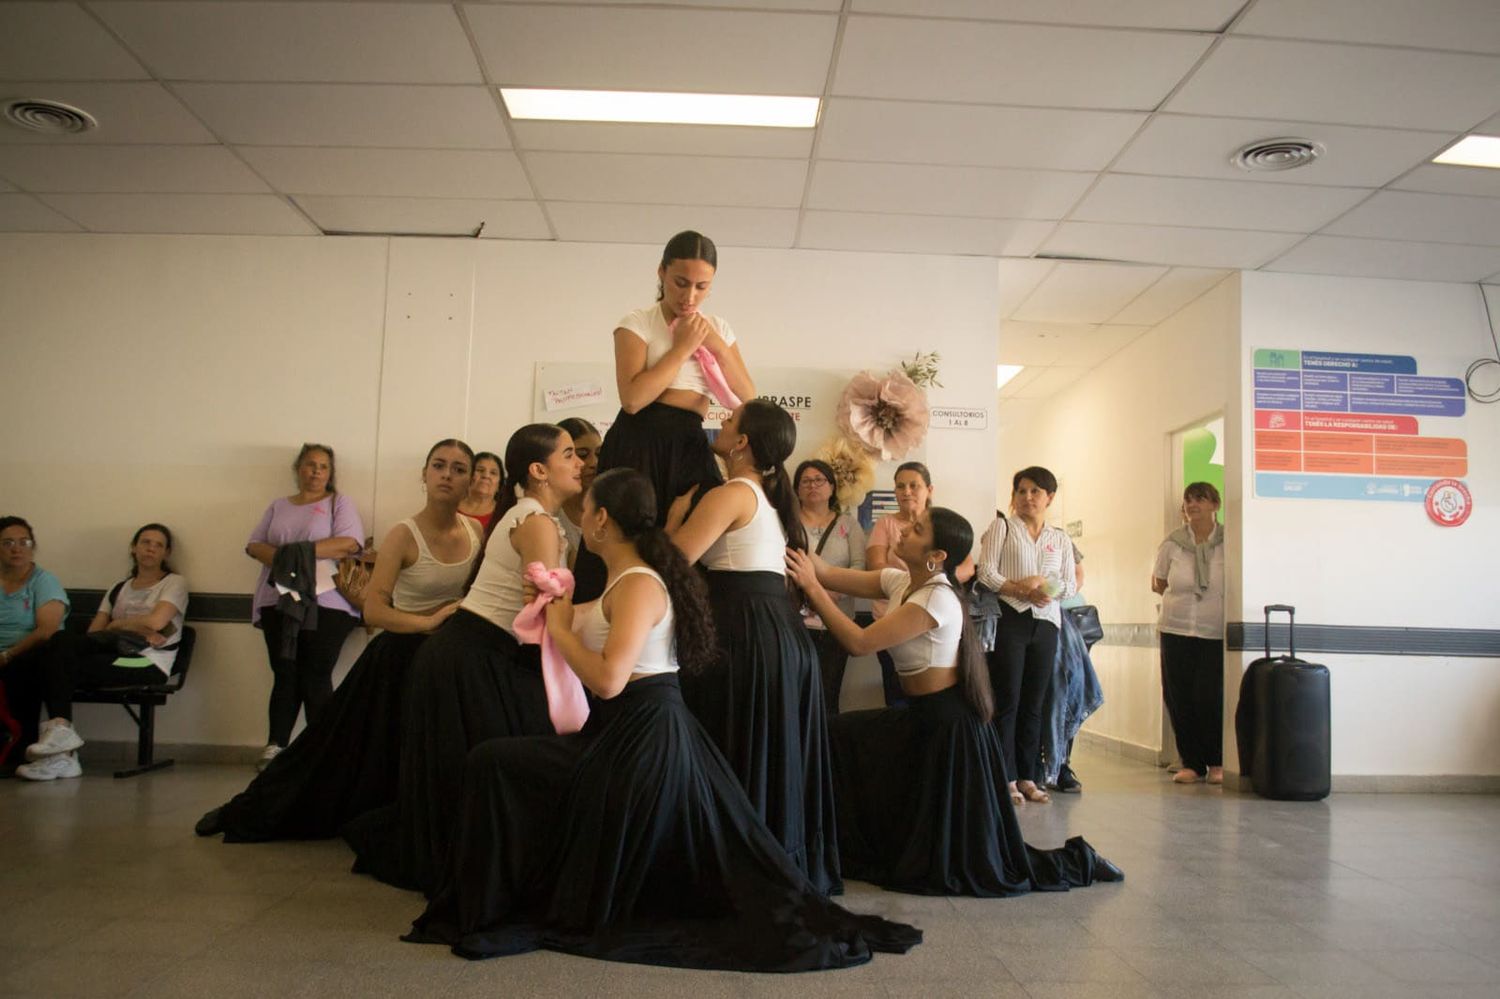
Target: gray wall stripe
[1250, 636]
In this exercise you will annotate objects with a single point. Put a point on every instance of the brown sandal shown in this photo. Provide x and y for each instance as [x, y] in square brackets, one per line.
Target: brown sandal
[1033, 793]
[1016, 797]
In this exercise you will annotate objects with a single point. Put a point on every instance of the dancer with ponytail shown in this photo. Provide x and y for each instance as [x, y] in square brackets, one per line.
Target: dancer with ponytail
[671, 361]
[632, 840]
[762, 701]
[345, 762]
[922, 799]
[586, 445]
[473, 680]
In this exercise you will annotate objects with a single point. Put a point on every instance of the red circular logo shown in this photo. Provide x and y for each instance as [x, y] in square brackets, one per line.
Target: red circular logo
[1448, 502]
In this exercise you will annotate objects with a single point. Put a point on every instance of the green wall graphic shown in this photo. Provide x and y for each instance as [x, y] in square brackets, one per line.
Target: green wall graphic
[1203, 456]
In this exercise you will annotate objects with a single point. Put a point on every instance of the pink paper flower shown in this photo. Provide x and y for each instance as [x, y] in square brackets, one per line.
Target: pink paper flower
[887, 416]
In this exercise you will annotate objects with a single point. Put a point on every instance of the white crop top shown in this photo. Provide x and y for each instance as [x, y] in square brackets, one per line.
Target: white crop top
[657, 655]
[759, 546]
[651, 326]
[496, 594]
[428, 584]
[938, 648]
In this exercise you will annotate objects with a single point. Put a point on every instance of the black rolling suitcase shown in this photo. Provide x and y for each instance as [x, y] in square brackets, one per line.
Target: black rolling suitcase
[1283, 722]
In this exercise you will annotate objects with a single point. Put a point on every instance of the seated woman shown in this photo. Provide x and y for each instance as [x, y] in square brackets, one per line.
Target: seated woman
[345, 763]
[632, 840]
[33, 606]
[473, 680]
[921, 791]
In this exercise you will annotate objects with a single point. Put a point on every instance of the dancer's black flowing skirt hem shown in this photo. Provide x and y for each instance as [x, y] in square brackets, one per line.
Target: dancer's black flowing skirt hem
[633, 841]
[923, 807]
[668, 446]
[341, 766]
[469, 682]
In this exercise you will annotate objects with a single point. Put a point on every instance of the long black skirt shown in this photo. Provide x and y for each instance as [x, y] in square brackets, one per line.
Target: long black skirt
[341, 766]
[470, 682]
[762, 704]
[923, 806]
[633, 841]
[668, 446]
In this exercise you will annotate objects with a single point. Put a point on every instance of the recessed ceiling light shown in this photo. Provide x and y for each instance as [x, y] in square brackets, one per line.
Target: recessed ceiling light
[661, 108]
[1005, 372]
[1472, 150]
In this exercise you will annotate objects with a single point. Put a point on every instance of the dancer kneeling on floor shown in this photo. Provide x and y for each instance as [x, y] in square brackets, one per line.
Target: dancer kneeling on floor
[632, 840]
[473, 680]
[345, 763]
[921, 790]
[762, 700]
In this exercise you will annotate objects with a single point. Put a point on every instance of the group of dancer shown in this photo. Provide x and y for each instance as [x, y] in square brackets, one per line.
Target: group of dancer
[708, 808]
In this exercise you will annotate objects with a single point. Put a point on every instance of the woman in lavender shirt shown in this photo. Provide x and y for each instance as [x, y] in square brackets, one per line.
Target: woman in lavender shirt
[318, 514]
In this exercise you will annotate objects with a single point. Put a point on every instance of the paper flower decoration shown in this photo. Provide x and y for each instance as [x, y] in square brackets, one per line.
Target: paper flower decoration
[888, 416]
[853, 471]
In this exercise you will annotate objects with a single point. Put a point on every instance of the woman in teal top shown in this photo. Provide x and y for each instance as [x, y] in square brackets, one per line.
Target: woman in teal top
[33, 606]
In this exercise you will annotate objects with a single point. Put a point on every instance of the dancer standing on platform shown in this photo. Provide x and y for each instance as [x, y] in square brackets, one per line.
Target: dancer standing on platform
[762, 701]
[473, 680]
[921, 789]
[346, 763]
[632, 840]
[664, 391]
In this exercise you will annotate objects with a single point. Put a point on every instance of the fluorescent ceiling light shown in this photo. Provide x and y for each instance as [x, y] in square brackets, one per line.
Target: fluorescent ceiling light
[1472, 150]
[1005, 372]
[672, 109]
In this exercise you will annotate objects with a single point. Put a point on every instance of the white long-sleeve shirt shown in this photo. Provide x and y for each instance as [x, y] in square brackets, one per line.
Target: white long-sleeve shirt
[1007, 551]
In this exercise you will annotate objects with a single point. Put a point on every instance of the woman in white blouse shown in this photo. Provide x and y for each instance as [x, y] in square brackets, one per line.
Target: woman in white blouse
[1189, 575]
[1030, 564]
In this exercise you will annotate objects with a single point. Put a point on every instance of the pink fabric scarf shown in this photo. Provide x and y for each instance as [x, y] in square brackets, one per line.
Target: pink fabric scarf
[566, 704]
[712, 374]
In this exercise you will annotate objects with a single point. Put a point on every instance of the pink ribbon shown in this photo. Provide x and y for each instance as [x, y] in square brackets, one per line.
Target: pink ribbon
[566, 704]
[713, 375]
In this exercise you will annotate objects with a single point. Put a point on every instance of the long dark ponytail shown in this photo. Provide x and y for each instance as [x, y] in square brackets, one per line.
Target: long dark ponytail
[631, 502]
[533, 442]
[772, 434]
[953, 534]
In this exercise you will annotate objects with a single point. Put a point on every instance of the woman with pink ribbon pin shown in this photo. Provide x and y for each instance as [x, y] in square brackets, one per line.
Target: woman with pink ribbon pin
[672, 360]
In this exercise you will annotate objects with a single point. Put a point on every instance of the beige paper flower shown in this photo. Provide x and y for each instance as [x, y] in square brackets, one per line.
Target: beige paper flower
[853, 470]
[888, 416]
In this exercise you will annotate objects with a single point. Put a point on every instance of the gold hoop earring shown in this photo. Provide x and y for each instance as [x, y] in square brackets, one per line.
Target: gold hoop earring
[931, 567]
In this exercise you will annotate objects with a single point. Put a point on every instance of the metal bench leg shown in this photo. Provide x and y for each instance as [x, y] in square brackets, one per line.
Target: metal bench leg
[145, 747]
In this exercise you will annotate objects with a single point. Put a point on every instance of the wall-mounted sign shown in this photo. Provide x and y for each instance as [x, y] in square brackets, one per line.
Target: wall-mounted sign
[1448, 502]
[574, 396]
[958, 418]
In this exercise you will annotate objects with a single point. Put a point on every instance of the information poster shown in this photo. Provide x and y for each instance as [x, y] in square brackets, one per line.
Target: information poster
[1354, 426]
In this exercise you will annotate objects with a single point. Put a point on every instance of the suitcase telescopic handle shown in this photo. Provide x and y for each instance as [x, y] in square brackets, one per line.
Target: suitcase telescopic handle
[1291, 627]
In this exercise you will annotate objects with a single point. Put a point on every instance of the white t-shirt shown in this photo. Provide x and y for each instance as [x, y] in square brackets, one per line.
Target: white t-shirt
[938, 648]
[1185, 611]
[651, 326]
[133, 602]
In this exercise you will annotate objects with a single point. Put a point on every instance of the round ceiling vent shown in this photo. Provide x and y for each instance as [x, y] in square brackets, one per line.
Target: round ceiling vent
[50, 117]
[1277, 154]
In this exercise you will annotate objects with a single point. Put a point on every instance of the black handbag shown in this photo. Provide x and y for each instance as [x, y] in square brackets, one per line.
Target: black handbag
[1085, 618]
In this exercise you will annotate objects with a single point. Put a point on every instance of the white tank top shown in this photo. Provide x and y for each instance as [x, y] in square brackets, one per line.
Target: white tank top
[496, 594]
[657, 655]
[759, 546]
[428, 584]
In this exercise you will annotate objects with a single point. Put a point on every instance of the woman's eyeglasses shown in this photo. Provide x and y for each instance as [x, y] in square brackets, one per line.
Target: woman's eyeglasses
[17, 543]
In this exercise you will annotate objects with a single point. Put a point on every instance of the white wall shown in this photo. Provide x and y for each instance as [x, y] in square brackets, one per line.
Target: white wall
[171, 378]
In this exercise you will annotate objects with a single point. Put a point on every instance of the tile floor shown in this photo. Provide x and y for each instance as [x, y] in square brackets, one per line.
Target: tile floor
[106, 892]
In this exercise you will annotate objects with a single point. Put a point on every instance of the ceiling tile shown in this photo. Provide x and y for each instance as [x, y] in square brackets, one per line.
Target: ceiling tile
[1101, 343]
[342, 114]
[1184, 15]
[235, 214]
[1011, 64]
[139, 169]
[427, 216]
[1190, 146]
[23, 213]
[972, 135]
[1349, 84]
[580, 221]
[1018, 279]
[1222, 204]
[58, 41]
[697, 51]
[127, 113]
[309, 42]
[412, 173]
[1381, 258]
[1085, 292]
[922, 234]
[819, 5]
[1462, 25]
[5, 186]
[1232, 248]
[1177, 288]
[1050, 381]
[667, 180]
[692, 140]
[1034, 345]
[1440, 178]
[1433, 218]
[940, 190]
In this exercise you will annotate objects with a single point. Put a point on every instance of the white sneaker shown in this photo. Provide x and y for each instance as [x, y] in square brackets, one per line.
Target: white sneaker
[57, 736]
[51, 767]
[267, 755]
